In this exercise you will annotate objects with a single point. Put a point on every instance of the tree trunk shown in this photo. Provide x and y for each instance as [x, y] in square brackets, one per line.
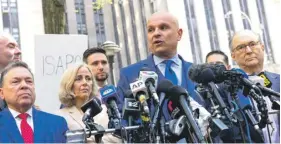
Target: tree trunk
[54, 16]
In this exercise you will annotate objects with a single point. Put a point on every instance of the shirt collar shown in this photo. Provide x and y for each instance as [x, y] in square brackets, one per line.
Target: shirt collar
[16, 114]
[255, 73]
[175, 59]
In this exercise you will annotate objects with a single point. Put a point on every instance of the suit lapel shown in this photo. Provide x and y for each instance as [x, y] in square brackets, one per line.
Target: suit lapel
[75, 115]
[149, 62]
[38, 124]
[11, 127]
[274, 80]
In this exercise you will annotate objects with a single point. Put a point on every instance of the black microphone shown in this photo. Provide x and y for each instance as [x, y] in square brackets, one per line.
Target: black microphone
[178, 96]
[110, 98]
[248, 110]
[268, 91]
[264, 89]
[162, 88]
[150, 78]
[205, 73]
[91, 108]
[217, 73]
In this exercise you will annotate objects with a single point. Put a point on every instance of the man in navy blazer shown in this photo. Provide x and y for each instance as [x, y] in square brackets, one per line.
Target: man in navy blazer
[9, 52]
[248, 52]
[19, 121]
[163, 34]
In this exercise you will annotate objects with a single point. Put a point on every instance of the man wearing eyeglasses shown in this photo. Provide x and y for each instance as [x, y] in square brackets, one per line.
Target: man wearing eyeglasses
[248, 53]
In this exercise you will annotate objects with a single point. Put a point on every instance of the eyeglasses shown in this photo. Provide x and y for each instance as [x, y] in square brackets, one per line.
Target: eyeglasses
[243, 47]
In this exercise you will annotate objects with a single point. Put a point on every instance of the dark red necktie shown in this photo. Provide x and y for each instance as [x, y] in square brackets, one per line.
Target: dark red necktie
[26, 130]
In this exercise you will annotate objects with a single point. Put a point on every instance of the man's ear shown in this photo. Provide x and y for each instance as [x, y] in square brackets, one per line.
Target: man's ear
[262, 47]
[180, 34]
[1, 93]
[233, 55]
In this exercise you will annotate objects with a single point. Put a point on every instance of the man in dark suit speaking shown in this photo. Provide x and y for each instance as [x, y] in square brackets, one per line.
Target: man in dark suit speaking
[19, 121]
[163, 34]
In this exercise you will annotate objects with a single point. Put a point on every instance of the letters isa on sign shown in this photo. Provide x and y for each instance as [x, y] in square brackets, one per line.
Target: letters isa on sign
[53, 55]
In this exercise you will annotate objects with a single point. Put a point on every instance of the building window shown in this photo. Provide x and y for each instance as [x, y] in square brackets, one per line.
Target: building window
[211, 24]
[6, 20]
[245, 14]
[193, 31]
[99, 23]
[134, 30]
[265, 32]
[66, 30]
[143, 19]
[10, 18]
[80, 17]
[151, 5]
[228, 18]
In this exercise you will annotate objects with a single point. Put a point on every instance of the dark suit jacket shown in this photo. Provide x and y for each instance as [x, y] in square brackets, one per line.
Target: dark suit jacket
[48, 128]
[131, 73]
[275, 79]
[2, 104]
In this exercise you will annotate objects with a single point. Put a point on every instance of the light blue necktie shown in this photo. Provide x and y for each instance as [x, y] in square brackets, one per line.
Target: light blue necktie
[169, 73]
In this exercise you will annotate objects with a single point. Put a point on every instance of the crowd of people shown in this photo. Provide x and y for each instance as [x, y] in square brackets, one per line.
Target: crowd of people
[23, 122]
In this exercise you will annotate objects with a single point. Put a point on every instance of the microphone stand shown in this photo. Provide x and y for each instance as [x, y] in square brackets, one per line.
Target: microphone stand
[162, 127]
[210, 93]
[91, 125]
[114, 122]
[190, 119]
[130, 121]
[220, 102]
[233, 88]
[156, 122]
[264, 122]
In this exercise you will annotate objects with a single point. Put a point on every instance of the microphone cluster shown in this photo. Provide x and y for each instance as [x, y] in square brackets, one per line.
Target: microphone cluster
[147, 90]
[236, 80]
[146, 102]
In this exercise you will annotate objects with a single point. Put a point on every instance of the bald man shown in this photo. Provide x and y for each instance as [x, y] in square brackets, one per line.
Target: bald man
[163, 35]
[248, 52]
[9, 51]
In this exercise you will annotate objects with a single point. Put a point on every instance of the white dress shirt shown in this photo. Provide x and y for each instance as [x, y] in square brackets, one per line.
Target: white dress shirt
[18, 120]
[176, 66]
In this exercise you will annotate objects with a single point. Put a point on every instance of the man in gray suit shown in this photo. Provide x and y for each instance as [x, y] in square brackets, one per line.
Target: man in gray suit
[248, 52]
[9, 51]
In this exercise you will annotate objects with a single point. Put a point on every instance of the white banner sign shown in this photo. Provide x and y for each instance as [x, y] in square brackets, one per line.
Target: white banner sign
[53, 54]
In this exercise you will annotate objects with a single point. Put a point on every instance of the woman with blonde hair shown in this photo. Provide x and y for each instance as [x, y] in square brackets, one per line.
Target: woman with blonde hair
[76, 88]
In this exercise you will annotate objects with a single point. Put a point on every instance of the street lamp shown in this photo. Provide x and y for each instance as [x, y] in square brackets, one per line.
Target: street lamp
[111, 49]
[245, 16]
